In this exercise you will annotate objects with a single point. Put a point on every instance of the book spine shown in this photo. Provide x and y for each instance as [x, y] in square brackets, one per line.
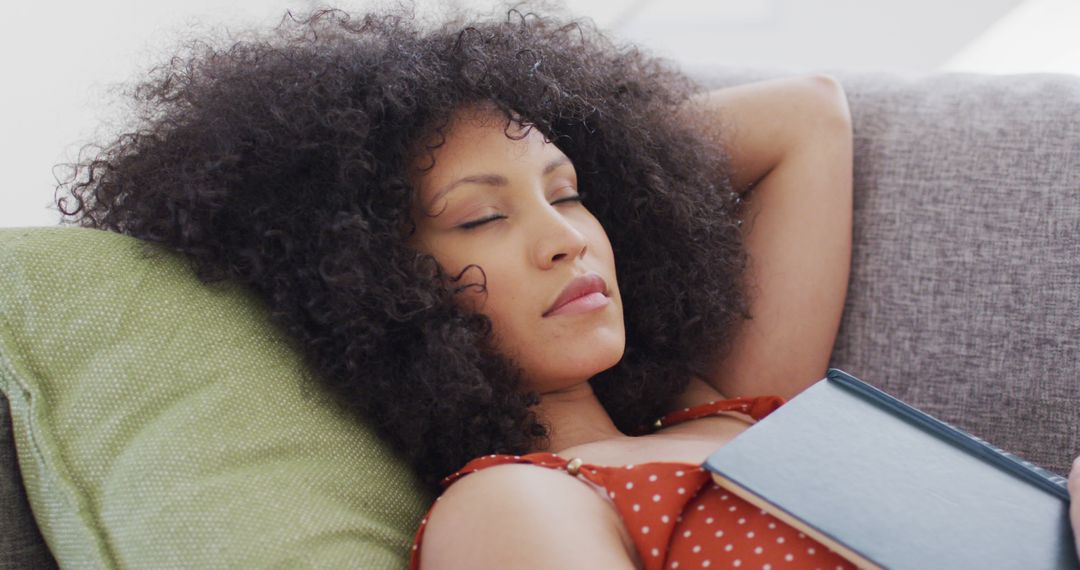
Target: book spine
[1028, 471]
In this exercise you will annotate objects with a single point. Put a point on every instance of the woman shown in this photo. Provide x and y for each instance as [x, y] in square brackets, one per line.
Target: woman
[510, 246]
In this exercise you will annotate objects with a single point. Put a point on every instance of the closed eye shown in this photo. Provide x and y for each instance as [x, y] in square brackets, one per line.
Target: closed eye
[574, 198]
[479, 222]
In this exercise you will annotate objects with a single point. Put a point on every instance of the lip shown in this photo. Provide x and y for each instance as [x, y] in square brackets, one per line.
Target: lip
[578, 287]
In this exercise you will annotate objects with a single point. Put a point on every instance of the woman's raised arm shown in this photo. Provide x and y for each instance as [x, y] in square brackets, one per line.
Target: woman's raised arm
[790, 144]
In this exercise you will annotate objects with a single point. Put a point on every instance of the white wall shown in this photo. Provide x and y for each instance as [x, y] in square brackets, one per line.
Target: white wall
[64, 62]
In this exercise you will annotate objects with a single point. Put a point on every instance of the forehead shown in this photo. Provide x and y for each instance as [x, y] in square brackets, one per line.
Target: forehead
[481, 142]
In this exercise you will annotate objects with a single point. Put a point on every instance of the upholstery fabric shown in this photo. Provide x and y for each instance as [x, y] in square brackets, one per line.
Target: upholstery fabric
[162, 423]
[964, 296]
[965, 287]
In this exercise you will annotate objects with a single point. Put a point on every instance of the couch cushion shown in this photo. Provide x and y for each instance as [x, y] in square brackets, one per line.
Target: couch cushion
[964, 295]
[965, 284]
[164, 423]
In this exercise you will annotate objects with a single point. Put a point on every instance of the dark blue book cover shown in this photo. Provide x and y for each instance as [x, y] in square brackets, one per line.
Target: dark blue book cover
[888, 486]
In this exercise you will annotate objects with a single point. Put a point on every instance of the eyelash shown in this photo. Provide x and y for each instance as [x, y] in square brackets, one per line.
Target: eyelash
[476, 223]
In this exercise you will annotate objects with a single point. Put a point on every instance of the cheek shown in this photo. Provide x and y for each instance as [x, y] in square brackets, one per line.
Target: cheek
[599, 238]
[506, 307]
[482, 285]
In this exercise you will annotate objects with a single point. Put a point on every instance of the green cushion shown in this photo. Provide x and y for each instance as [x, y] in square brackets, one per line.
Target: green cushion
[164, 423]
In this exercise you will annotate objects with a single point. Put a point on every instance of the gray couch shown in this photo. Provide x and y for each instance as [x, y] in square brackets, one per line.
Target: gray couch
[964, 298]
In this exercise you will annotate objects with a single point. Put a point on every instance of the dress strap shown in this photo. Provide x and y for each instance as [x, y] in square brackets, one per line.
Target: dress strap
[541, 459]
[756, 407]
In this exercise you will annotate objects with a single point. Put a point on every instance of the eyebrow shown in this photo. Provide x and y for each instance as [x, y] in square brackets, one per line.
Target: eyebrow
[494, 179]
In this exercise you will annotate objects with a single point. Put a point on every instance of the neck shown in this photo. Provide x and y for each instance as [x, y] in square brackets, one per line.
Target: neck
[576, 418]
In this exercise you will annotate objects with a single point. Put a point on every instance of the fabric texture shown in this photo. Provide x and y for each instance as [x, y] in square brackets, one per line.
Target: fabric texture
[163, 423]
[676, 515]
[964, 295]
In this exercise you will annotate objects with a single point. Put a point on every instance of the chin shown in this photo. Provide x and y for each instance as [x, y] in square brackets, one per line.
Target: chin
[598, 360]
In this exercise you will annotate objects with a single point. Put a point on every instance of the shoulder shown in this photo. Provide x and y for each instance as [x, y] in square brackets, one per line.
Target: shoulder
[522, 516]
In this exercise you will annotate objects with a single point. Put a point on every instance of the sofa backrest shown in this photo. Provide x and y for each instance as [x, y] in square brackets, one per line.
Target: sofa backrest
[964, 295]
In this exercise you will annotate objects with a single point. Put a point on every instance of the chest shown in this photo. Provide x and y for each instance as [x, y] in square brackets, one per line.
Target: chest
[689, 442]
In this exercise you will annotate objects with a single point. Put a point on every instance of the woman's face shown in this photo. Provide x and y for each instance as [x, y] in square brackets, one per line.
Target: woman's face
[508, 206]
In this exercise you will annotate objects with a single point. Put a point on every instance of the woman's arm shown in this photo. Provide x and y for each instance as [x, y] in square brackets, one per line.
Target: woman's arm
[790, 143]
[522, 516]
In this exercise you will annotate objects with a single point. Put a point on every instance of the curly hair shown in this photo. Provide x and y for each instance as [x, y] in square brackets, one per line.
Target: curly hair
[280, 161]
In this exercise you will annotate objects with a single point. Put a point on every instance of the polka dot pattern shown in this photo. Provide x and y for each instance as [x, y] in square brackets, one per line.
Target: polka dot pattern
[679, 518]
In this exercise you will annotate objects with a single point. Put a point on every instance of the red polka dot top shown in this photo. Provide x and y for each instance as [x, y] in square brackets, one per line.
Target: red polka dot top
[678, 517]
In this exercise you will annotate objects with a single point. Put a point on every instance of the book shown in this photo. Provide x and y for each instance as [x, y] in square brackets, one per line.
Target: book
[888, 486]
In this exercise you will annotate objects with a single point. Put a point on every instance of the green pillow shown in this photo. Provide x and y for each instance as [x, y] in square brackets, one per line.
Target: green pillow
[164, 423]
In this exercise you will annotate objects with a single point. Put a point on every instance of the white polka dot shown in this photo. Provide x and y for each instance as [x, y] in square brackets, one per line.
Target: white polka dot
[644, 530]
[664, 519]
[709, 520]
[686, 534]
[675, 564]
[656, 498]
[719, 533]
[758, 550]
[414, 547]
[839, 568]
[629, 486]
[789, 557]
[762, 511]
[731, 508]
[656, 552]
[715, 486]
[750, 534]
[780, 540]
[742, 520]
[423, 521]
[772, 525]
[701, 507]
[736, 563]
[728, 548]
[611, 494]
[767, 567]
[637, 507]
[652, 478]
[706, 563]
[696, 548]
[629, 466]
[801, 535]
[724, 498]
[810, 551]
[682, 491]
[680, 473]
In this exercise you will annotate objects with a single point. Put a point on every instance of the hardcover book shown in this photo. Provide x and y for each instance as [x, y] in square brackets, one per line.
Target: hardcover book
[888, 486]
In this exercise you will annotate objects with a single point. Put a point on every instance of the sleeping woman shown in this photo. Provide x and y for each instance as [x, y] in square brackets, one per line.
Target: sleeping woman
[546, 267]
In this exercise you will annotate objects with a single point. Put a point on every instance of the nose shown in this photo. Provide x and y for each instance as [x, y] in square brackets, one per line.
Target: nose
[558, 239]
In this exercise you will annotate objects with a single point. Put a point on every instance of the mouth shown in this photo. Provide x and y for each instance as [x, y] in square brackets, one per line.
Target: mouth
[584, 293]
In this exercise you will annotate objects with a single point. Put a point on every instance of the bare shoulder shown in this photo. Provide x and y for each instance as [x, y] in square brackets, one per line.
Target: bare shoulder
[522, 516]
